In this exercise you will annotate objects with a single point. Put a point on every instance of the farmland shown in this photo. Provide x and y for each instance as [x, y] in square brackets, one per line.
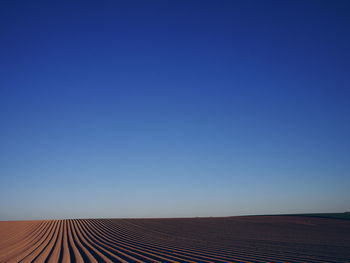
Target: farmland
[225, 239]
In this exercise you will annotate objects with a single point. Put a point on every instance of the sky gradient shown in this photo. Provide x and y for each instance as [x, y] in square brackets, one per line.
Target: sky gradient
[173, 108]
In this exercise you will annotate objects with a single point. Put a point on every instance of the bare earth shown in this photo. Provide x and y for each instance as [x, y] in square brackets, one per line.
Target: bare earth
[229, 239]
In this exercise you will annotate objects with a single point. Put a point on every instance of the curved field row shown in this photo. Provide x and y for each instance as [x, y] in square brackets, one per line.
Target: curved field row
[173, 240]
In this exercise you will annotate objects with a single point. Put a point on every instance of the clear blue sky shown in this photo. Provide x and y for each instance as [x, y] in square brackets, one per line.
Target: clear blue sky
[173, 108]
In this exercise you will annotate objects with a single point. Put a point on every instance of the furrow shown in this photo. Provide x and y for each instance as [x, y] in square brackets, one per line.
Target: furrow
[44, 254]
[128, 250]
[57, 247]
[75, 255]
[151, 252]
[133, 256]
[13, 235]
[149, 247]
[29, 246]
[235, 255]
[84, 252]
[14, 251]
[171, 241]
[65, 254]
[87, 232]
[89, 245]
[42, 245]
[269, 257]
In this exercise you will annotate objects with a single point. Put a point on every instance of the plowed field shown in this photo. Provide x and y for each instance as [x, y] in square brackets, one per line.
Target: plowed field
[229, 239]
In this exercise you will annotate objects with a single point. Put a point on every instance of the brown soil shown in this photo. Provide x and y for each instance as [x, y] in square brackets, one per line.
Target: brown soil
[229, 239]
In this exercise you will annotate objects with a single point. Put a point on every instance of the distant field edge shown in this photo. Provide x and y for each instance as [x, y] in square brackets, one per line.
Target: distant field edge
[344, 216]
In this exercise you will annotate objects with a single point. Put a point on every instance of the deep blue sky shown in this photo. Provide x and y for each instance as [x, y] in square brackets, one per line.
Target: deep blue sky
[173, 108]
